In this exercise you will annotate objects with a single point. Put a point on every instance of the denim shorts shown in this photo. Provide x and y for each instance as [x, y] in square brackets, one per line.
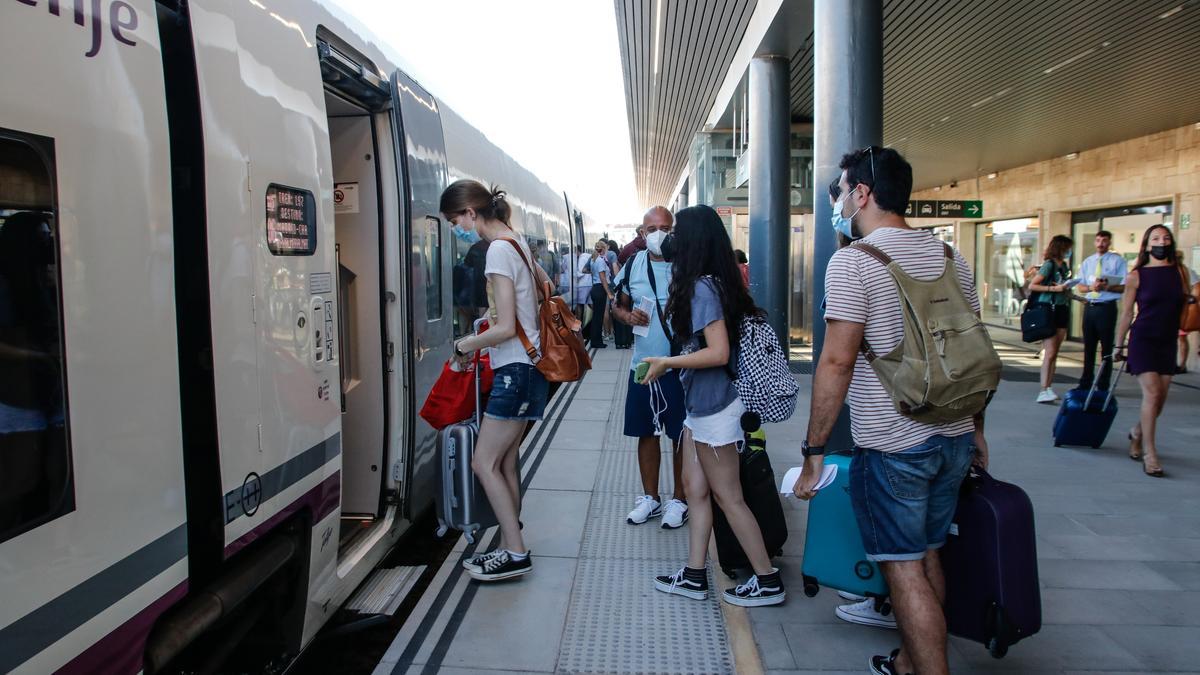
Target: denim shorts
[519, 392]
[904, 501]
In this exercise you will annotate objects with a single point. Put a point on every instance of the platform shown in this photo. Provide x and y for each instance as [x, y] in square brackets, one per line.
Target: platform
[1118, 557]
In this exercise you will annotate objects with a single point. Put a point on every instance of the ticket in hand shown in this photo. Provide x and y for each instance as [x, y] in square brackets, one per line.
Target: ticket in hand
[646, 305]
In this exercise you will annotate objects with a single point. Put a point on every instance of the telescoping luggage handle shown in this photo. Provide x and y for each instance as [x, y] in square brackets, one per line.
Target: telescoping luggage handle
[478, 413]
[1095, 381]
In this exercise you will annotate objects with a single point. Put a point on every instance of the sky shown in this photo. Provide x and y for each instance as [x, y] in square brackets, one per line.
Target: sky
[541, 78]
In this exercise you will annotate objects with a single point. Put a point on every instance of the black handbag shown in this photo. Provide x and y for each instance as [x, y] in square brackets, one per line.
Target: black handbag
[1037, 322]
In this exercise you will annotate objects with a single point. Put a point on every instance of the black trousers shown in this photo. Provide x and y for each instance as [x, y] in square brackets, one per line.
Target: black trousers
[622, 333]
[596, 325]
[1099, 326]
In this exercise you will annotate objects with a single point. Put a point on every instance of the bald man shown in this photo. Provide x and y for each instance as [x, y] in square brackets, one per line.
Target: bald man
[651, 414]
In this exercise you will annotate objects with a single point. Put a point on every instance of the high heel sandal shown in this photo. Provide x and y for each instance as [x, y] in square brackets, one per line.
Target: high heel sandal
[1157, 473]
[1135, 447]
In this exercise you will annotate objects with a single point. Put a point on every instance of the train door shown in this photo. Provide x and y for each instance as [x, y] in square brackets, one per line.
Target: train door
[421, 149]
[354, 103]
[93, 540]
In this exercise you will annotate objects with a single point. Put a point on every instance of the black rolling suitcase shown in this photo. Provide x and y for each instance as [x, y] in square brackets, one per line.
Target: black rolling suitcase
[1085, 418]
[461, 502]
[762, 496]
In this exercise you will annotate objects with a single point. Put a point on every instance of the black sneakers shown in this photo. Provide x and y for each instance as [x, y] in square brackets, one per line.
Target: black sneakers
[499, 565]
[757, 591]
[886, 665]
[688, 582]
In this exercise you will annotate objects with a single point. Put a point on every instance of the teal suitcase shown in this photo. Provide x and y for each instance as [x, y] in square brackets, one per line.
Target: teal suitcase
[833, 549]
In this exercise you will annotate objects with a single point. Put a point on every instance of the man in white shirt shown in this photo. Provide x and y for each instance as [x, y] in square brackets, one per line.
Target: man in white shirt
[1103, 298]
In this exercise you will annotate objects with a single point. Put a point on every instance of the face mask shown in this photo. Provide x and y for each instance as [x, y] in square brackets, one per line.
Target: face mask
[1067, 255]
[841, 224]
[654, 241]
[463, 234]
[667, 247]
[1162, 252]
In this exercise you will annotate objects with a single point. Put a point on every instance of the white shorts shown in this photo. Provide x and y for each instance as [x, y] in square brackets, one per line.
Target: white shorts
[719, 428]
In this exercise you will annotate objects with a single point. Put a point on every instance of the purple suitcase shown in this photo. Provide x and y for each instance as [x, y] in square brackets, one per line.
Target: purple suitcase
[990, 560]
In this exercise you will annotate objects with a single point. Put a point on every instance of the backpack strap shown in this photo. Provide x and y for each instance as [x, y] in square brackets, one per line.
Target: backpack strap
[530, 350]
[885, 260]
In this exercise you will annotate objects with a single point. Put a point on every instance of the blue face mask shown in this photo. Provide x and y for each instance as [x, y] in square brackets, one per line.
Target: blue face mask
[841, 224]
[463, 234]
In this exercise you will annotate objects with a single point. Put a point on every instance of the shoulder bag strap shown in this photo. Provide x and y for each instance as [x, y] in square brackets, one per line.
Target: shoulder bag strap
[662, 319]
[530, 350]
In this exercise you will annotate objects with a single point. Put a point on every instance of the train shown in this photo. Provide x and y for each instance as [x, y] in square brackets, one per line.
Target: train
[225, 292]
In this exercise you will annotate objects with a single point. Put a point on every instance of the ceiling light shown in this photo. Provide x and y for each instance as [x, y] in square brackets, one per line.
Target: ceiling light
[1071, 155]
[937, 188]
[1073, 59]
[1171, 12]
[946, 118]
[992, 176]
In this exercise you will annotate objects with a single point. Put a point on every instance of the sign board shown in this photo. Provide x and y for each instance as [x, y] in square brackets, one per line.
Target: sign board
[725, 211]
[944, 208]
[741, 173]
[345, 197]
[1185, 221]
[291, 221]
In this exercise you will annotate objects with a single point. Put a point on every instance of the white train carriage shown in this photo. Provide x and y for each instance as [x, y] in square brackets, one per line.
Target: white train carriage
[225, 290]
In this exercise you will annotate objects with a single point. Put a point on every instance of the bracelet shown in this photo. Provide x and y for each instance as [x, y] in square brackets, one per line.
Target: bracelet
[1118, 347]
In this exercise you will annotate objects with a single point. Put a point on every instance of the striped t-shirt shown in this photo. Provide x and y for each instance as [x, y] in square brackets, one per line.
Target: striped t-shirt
[858, 288]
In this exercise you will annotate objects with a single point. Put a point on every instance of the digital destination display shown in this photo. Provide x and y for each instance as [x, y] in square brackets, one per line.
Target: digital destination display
[291, 221]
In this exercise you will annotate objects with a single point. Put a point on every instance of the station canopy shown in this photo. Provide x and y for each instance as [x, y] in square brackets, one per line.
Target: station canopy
[969, 87]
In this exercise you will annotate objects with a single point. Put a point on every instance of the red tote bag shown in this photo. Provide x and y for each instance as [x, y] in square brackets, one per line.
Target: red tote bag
[452, 399]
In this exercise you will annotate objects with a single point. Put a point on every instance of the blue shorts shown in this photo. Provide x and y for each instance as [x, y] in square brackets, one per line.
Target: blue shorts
[639, 416]
[518, 393]
[904, 501]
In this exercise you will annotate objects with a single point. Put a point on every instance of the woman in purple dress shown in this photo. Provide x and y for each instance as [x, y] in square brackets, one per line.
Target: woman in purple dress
[1156, 286]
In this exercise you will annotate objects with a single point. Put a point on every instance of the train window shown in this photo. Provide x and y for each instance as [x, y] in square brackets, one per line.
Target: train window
[36, 480]
[433, 268]
[291, 221]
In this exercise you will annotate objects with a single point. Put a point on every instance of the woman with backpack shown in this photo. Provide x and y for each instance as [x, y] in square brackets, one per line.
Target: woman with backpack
[705, 309]
[520, 391]
[1049, 286]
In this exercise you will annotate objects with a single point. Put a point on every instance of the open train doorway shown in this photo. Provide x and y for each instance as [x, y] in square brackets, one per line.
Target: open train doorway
[354, 154]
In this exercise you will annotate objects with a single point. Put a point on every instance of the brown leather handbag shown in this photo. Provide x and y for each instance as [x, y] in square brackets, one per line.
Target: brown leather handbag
[1190, 320]
[563, 357]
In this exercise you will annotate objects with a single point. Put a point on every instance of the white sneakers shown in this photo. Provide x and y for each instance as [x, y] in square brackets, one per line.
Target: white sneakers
[865, 613]
[675, 514]
[1047, 395]
[644, 509]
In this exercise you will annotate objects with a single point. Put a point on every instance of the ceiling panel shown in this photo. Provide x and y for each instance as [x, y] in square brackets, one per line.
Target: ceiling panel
[969, 87]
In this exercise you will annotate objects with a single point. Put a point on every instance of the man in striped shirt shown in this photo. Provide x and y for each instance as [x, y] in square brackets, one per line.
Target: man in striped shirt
[905, 475]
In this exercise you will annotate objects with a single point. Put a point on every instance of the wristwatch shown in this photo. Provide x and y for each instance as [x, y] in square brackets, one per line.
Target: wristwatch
[809, 450]
[457, 351]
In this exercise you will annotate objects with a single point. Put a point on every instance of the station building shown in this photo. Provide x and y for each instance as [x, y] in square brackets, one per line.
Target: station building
[1049, 119]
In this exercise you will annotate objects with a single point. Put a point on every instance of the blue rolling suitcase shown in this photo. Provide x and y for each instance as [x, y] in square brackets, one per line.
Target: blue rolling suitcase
[833, 549]
[1085, 418]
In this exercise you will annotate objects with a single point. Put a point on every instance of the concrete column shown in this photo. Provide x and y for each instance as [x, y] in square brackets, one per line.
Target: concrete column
[770, 188]
[847, 115]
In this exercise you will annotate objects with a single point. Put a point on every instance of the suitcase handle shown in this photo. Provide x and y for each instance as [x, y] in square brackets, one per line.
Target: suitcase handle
[1096, 381]
[478, 413]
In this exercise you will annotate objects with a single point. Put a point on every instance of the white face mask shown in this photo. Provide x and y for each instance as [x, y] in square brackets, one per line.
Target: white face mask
[654, 241]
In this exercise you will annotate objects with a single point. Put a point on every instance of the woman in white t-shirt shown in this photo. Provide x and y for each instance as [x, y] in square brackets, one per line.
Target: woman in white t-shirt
[520, 391]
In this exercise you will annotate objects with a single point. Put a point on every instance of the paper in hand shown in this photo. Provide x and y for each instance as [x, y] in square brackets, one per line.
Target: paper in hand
[788, 485]
[646, 304]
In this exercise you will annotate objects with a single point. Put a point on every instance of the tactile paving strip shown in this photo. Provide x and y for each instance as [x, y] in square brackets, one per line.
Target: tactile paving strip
[617, 622]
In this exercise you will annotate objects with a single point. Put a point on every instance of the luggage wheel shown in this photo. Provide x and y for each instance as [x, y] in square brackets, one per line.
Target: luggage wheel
[729, 572]
[996, 648]
[996, 645]
[441, 531]
[470, 536]
[810, 586]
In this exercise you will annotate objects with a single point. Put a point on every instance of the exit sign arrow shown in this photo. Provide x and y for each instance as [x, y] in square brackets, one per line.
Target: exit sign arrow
[973, 208]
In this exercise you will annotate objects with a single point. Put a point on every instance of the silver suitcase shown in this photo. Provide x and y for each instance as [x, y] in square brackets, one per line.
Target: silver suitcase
[461, 502]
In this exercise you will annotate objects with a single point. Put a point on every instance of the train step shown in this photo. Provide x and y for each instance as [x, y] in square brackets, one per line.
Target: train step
[384, 591]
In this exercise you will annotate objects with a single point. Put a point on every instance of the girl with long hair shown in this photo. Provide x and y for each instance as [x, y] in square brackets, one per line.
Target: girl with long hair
[520, 391]
[705, 309]
[1049, 284]
[1158, 286]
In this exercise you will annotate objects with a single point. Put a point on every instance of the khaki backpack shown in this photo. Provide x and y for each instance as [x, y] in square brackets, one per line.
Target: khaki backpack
[946, 368]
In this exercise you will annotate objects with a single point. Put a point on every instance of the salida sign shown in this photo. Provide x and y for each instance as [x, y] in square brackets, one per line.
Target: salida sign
[90, 14]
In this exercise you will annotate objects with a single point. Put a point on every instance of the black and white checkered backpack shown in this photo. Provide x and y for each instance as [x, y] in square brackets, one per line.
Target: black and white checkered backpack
[763, 380]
